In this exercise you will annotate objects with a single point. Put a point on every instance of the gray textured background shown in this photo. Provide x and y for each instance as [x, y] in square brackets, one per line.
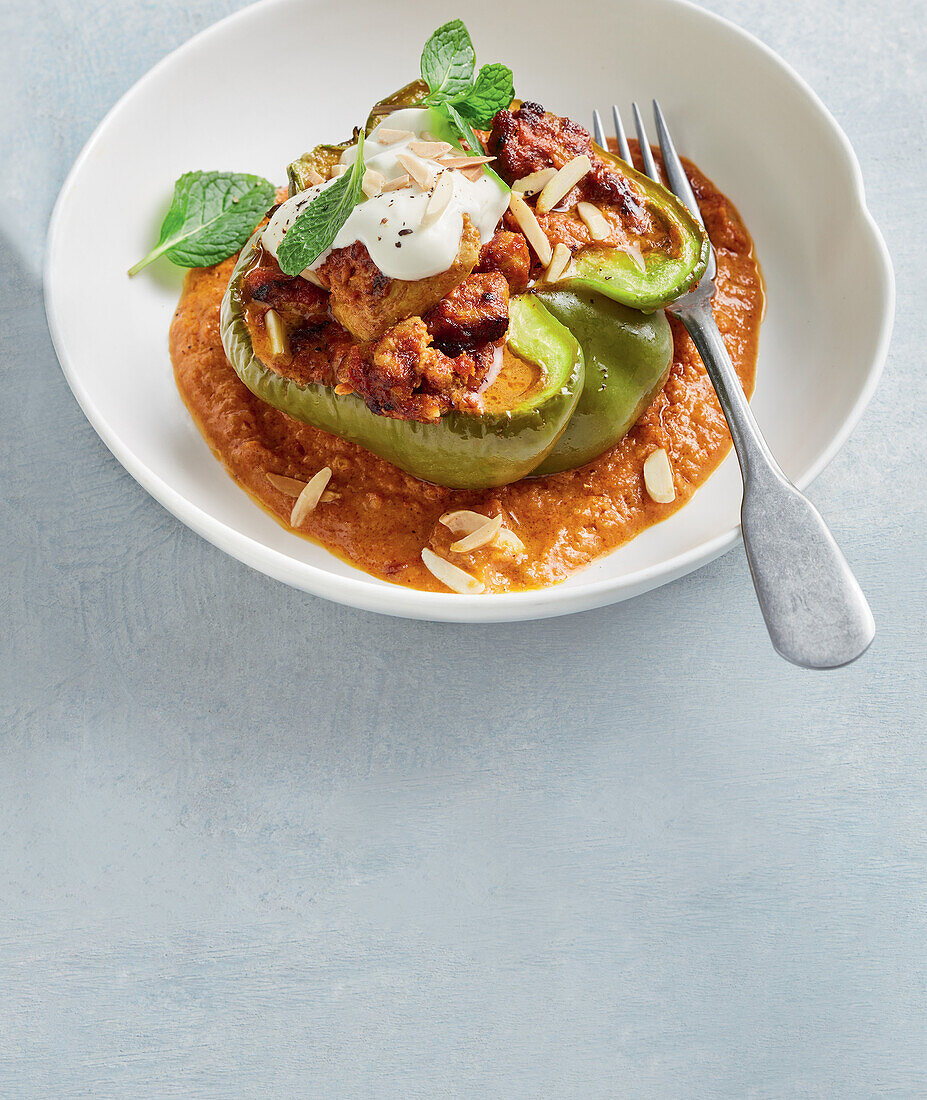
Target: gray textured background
[252, 843]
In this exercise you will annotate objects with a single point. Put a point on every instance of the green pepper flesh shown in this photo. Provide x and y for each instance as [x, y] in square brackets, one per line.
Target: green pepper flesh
[627, 357]
[667, 274]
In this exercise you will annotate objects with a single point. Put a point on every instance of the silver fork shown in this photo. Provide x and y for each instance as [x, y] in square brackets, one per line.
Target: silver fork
[815, 611]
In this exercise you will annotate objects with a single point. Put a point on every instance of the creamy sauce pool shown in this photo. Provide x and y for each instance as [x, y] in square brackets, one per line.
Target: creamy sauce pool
[381, 518]
[390, 224]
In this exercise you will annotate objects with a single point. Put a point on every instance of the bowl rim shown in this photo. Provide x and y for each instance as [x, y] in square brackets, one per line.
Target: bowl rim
[371, 593]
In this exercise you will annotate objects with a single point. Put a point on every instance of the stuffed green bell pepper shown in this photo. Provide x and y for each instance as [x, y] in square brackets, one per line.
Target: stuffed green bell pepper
[526, 408]
[627, 357]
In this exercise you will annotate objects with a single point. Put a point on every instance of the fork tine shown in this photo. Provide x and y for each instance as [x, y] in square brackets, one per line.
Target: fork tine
[649, 166]
[598, 130]
[672, 165]
[623, 150]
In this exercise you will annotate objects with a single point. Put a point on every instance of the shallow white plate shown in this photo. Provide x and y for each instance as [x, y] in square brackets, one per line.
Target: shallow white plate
[271, 81]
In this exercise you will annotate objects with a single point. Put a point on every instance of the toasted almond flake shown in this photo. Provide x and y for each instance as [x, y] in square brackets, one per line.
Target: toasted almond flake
[472, 174]
[537, 181]
[398, 183]
[633, 249]
[464, 162]
[440, 197]
[290, 486]
[465, 522]
[313, 178]
[482, 535]
[310, 496]
[559, 262]
[508, 541]
[455, 579]
[343, 389]
[372, 183]
[598, 225]
[658, 477]
[529, 225]
[337, 170]
[417, 169]
[328, 496]
[273, 323]
[565, 180]
[430, 149]
[386, 136]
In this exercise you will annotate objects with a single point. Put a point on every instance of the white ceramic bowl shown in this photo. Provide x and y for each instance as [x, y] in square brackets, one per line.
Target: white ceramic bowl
[736, 108]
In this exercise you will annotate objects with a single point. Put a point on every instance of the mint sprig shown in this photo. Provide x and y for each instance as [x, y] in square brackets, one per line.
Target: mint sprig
[493, 91]
[211, 216]
[317, 226]
[447, 65]
[447, 62]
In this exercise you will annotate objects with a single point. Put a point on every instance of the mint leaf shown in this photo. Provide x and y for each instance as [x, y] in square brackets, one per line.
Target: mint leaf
[493, 91]
[211, 216]
[465, 130]
[447, 61]
[318, 225]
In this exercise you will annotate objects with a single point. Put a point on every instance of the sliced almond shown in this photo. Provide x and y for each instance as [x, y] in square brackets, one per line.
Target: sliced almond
[599, 226]
[386, 136]
[537, 181]
[633, 249]
[440, 197]
[337, 170]
[398, 183]
[276, 332]
[328, 496]
[430, 149]
[464, 162]
[313, 178]
[480, 537]
[564, 181]
[310, 496]
[455, 579]
[472, 174]
[372, 183]
[290, 486]
[658, 477]
[559, 262]
[509, 542]
[465, 522]
[417, 169]
[528, 224]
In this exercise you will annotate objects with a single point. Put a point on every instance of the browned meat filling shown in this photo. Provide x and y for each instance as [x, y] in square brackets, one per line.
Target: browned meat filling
[367, 303]
[508, 254]
[297, 301]
[475, 312]
[529, 139]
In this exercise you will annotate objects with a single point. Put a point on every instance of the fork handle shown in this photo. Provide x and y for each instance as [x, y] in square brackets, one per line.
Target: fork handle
[815, 611]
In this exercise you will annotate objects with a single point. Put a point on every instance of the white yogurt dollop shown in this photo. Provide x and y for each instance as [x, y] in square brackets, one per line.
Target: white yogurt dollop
[390, 224]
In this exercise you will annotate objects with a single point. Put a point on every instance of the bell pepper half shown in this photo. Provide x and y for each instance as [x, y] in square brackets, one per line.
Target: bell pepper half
[462, 450]
[627, 357]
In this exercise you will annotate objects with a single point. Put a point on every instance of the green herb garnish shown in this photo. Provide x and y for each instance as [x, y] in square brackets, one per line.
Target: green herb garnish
[211, 216]
[318, 225]
[447, 64]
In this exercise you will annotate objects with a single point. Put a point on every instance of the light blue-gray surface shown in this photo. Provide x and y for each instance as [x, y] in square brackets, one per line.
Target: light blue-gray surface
[254, 844]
